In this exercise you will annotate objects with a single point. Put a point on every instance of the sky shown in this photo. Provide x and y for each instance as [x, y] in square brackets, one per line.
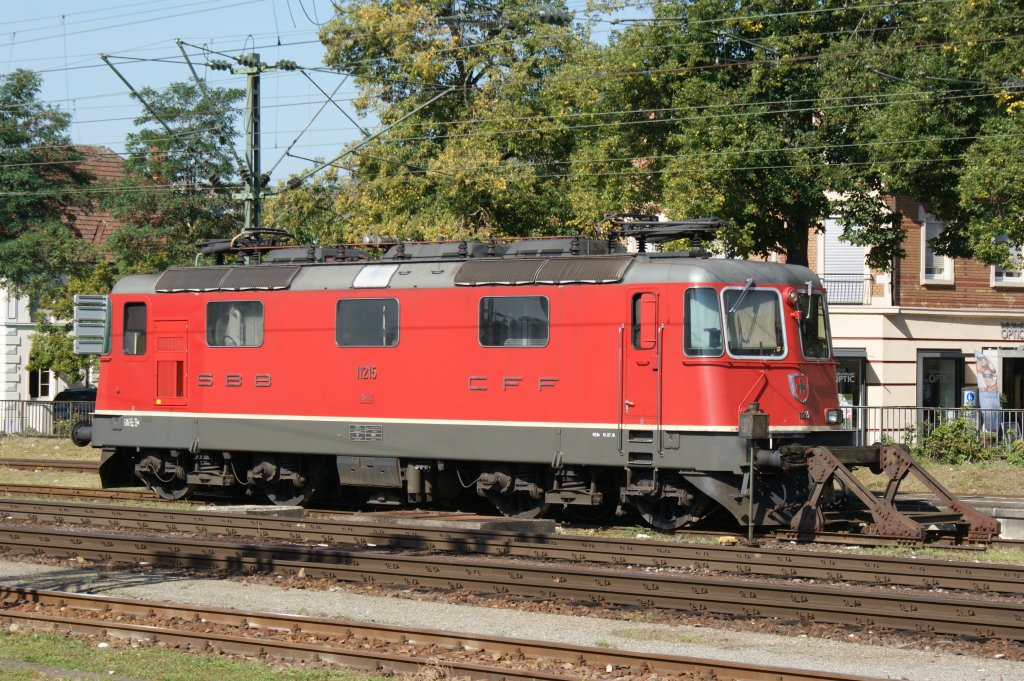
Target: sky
[62, 40]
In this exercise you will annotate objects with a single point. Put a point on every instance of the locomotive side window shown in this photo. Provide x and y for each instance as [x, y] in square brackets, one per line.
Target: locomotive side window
[234, 323]
[367, 323]
[134, 328]
[754, 322]
[702, 323]
[813, 326]
[520, 321]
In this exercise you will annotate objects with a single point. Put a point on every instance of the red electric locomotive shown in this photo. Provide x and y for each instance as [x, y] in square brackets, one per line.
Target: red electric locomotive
[557, 372]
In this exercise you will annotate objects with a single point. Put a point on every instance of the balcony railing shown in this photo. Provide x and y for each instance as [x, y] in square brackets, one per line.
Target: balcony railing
[42, 419]
[844, 289]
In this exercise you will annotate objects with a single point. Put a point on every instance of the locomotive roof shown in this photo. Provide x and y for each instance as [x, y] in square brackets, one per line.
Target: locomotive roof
[582, 269]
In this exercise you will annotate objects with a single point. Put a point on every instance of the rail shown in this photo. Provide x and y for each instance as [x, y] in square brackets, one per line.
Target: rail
[42, 419]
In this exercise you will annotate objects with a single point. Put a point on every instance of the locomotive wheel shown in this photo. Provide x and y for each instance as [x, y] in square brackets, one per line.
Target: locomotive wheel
[289, 491]
[152, 472]
[664, 513]
[518, 505]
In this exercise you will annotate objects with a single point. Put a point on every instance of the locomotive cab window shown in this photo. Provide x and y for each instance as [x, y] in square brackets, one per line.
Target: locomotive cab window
[367, 323]
[234, 323]
[702, 323]
[134, 329]
[515, 321]
[753, 320]
[643, 329]
[813, 326]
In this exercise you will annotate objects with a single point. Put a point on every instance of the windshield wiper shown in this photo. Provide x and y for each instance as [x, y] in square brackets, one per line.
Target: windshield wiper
[743, 294]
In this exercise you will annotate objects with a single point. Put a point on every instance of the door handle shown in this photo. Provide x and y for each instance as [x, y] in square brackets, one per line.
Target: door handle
[629, 404]
[643, 363]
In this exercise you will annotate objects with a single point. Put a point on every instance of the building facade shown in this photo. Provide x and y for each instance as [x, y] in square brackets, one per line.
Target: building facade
[919, 335]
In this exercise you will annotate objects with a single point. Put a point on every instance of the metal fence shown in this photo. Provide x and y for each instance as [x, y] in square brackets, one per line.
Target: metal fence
[908, 425]
[42, 419]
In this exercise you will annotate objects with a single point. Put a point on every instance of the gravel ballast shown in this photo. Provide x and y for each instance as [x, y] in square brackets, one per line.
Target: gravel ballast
[750, 647]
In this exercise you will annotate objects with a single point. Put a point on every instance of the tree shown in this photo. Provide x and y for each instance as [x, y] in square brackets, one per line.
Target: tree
[174, 193]
[40, 184]
[777, 117]
[936, 118]
[315, 212]
[478, 152]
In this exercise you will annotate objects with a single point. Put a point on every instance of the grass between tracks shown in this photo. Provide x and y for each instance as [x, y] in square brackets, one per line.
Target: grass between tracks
[150, 664]
[43, 448]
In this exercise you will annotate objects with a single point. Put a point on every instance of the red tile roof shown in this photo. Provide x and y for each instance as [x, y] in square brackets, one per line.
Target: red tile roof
[106, 166]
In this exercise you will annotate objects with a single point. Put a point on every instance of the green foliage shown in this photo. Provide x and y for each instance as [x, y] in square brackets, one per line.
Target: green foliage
[955, 441]
[40, 183]
[1015, 453]
[484, 157]
[774, 120]
[168, 201]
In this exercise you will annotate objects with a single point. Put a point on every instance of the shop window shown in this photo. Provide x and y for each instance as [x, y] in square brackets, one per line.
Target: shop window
[39, 383]
[234, 323]
[515, 321]
[940, 379]
[367, 323]
[134, 328]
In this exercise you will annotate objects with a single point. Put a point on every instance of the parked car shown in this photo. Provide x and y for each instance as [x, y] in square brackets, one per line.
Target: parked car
[73, 404]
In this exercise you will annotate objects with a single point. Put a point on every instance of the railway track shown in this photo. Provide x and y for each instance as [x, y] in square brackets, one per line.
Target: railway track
[646, 590]
[847, 539]
[58, 492]
[51, 464]
[372, 647]
[784, 563]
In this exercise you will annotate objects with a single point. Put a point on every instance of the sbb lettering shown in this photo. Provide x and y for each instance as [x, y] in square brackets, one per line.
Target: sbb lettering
[233, 380]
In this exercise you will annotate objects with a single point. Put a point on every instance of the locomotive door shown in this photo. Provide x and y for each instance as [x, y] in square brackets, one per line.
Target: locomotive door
[641, 366]
[171, 356]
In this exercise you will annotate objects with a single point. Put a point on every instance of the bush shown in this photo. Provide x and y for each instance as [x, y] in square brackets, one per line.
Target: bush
[1014, 453]
[954, 441]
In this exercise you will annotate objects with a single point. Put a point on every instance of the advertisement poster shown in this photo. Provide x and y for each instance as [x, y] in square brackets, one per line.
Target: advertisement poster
[988, 390]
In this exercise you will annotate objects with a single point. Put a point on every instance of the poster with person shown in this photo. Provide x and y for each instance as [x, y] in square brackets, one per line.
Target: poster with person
[988, 390]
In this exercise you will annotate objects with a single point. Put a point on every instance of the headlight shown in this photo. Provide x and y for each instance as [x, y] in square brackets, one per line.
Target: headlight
[834, 417]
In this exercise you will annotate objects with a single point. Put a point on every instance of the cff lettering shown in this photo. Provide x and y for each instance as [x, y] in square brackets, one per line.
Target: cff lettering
[511, 383]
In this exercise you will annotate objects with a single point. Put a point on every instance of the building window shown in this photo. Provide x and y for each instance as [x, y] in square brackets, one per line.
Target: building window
[520, 321]
[367, 323]
[234, 324]
[12, 306]
[39, 383]
[134, 328]
[1013, 276]
[935, 268]
[843, 270]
